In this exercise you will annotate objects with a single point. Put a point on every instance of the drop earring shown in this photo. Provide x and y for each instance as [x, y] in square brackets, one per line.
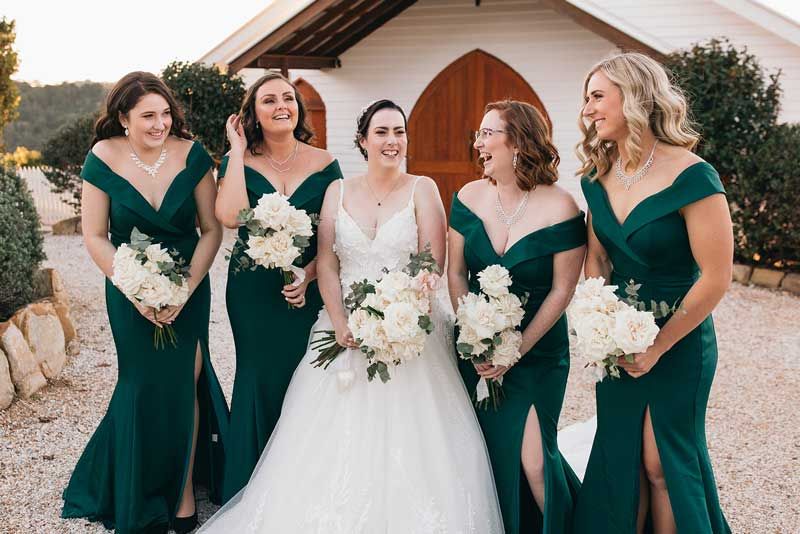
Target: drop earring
[514, 161]
[126, 131]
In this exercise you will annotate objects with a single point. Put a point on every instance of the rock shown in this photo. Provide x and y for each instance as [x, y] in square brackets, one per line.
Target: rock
[766, 278]
[741, 273]
[791, 283]
[25, 373]
[41, 327]
[69, 226]
[47, 283]
[6, 385]
[62, 311]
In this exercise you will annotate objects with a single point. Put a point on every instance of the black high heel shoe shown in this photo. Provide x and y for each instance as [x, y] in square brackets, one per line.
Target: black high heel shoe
[184, 525]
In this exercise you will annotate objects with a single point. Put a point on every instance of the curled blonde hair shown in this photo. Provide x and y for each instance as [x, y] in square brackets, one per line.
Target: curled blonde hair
[649, 99]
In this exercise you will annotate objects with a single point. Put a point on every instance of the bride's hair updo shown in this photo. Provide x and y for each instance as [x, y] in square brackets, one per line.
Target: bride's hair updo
[365, 117]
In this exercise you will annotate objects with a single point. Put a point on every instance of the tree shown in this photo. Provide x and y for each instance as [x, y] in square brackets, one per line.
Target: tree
[208, 97]
[9, 94]
[733, 100]
[63, 157]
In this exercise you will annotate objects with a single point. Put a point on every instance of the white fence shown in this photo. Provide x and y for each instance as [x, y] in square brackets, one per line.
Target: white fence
[51, 206]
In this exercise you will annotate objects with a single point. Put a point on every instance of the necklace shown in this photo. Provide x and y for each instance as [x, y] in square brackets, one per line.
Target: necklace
[628, 181]
[281, 166]
[380, 200]
[509, 220]
[152, 170]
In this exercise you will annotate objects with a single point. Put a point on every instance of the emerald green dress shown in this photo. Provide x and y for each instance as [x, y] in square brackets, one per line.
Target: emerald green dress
[270, 337]
[132, 473]
[652, 247]
[538, 379]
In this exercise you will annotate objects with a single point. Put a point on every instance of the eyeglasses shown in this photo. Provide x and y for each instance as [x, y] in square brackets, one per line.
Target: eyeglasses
[485, 133]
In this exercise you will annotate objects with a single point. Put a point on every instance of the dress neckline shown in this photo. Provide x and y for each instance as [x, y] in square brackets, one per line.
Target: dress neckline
[299, 187]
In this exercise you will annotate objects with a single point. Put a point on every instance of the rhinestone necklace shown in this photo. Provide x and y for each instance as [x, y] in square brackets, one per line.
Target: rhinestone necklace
[628, 181]
[151, 170]
[509, 220]
[281, 166]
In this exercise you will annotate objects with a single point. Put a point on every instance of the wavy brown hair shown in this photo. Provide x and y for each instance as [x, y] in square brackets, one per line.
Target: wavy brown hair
[126, 94]
[252, 130]
[649, 99]
[527, 130]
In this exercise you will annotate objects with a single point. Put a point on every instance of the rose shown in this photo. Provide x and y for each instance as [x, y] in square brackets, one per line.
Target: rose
[278, 251]
[426, 281]
[393, 284]
[155, 255]
[401, 322]
[367, 328]
[494, 280]
[510, 308]
[299, 223]
[375, 301]
[467, 334]
[634, 331]
[484, 318]
[506, 353]
[156, 291]
[129, 274]
[593, 331]
[272, 211]
[180, 294]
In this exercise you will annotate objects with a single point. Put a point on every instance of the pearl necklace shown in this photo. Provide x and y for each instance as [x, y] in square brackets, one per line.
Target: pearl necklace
[151, 170]
[509, 220]
[628, 181]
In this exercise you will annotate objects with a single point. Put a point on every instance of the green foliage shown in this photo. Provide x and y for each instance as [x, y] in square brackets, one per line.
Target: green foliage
[43, 110]
[63, 157]
[9, 94]
[764, 215]
[735, 103]
[21, 251]
[208, 97]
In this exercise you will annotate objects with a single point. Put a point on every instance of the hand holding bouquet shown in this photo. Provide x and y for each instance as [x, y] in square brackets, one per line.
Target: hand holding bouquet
[488, 323]
[147, 273]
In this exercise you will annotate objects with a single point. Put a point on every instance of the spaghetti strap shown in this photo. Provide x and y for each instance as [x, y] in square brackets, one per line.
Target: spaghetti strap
[413, 189]
[341, 193]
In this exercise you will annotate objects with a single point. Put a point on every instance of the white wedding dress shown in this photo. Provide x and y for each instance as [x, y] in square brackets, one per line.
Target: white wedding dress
[405, 457]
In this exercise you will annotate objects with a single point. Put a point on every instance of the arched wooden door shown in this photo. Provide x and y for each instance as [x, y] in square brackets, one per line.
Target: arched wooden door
[442, 124]
[316, 111]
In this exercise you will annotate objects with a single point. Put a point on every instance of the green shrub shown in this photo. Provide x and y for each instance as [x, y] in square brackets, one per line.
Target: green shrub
[208, 97]
[63, 157]
[21, 251]
[765, 218]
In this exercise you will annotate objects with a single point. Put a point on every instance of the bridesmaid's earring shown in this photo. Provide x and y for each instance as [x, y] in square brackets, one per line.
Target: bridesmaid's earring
[126, 131]
[514, 161]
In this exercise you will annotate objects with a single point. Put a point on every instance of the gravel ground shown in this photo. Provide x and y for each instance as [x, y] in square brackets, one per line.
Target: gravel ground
[753, 428]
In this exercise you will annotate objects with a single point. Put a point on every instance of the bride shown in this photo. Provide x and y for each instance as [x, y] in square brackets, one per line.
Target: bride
[359, 457]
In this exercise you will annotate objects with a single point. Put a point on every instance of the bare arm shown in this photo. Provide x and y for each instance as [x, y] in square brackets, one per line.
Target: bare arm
[94, 224]
[597, 262]
[457, 282]
[232, 196]
[205, 194]
[432, 227]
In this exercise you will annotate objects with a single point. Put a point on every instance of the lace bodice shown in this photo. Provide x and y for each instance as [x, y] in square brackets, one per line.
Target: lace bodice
[361, 257]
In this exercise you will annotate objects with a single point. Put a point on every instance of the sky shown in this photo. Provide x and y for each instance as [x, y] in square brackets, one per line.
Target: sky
[101, 40]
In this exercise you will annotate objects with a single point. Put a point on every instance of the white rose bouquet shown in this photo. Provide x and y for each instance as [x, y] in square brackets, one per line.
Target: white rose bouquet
[488, 323]
[607, 328]
[149, 274]
[389, 318]
[278, 233]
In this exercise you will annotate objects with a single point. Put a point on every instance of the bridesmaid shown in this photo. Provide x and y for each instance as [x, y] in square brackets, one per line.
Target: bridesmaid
[269, 152]
[162, 429]
[520, 219]
[658, 215]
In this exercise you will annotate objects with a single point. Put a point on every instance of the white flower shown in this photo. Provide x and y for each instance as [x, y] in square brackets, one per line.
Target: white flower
[393, 284]
[272, 211]
[510, 308]
[467, 335]
[299, 223]
[507, 352]
[368, 328]
[593, 332]
[483, 317]
[401, 322]
[155, 254]
[276, 250]
[180, 294]
[156, 291]
[634, 330]
[494, 280]
[375, 301]
[129, 274]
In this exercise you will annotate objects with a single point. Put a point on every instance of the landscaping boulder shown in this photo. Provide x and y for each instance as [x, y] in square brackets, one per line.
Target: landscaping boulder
[41, 327]
[47, 283]
[26, 375]
[6, 385]
[69, 226]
